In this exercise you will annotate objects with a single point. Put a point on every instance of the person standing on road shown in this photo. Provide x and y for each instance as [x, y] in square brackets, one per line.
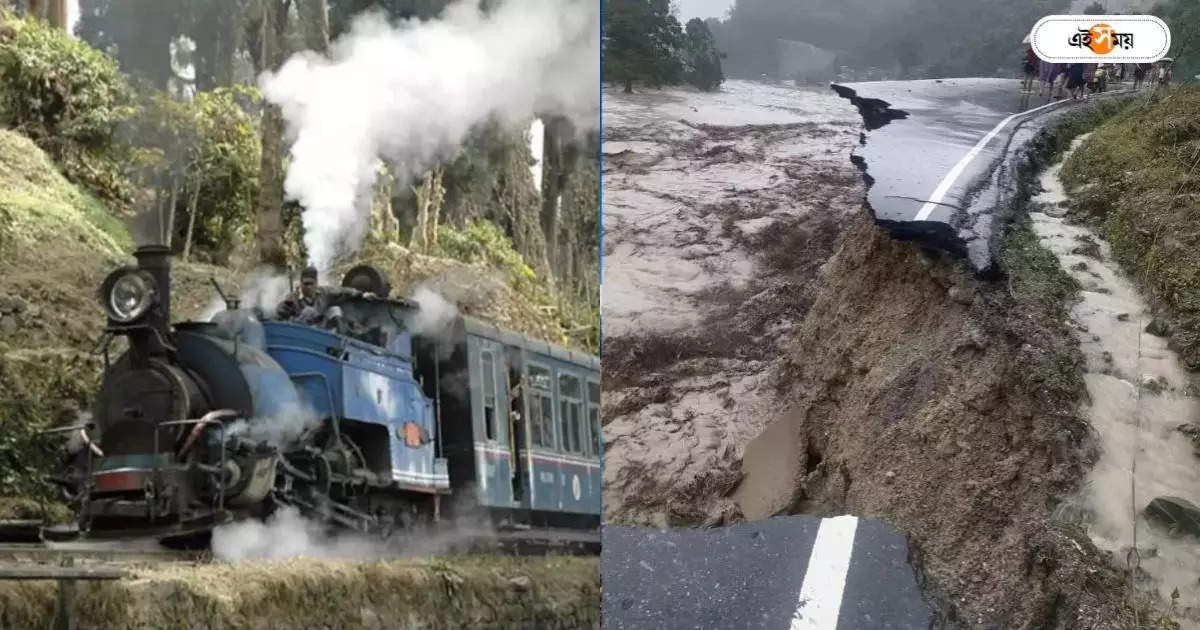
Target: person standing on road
[1031, 70]
[1049, 72]
[1164, 74]
[1139, 75]
[1075, 80]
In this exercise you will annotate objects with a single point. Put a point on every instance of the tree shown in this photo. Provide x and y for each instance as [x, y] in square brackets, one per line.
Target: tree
[216, 28]
[343, 12]
[702, 60]
[139, 32]
[314, 18]
[559, 155]
[641, 43]
[269, 238]
[53, 11]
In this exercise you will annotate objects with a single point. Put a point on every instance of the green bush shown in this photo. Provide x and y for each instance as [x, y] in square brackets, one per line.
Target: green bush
[37, 392]
[481, 242]
[68, 98]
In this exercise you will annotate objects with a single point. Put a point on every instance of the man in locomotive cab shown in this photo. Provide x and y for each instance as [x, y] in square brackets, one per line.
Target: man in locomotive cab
[317, 305]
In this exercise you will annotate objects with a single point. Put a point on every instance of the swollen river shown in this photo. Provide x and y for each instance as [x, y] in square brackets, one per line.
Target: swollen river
[1137, 389]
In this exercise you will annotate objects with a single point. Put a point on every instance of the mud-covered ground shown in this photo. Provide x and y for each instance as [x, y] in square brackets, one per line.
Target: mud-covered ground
[718, 211]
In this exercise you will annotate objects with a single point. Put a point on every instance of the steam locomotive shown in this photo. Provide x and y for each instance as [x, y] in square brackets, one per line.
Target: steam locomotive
[370, 429]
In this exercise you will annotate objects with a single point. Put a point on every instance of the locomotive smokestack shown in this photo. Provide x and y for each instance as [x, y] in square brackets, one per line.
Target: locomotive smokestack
[156, 259]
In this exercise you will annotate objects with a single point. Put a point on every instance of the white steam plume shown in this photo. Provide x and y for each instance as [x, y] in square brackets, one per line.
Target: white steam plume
[434, 315]
[283, 428]
[411, 92]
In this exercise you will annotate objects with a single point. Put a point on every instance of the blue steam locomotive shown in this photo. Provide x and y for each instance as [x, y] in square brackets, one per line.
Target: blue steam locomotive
[372, 428]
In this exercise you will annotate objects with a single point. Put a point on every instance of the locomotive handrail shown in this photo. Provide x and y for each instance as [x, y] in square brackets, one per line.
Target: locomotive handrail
[68, 429]
[204, 421]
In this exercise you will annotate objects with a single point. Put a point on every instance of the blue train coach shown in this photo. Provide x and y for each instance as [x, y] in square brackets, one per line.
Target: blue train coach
[520, 423]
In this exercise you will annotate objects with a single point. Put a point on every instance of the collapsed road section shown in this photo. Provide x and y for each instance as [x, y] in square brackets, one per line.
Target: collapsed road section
[943, 158]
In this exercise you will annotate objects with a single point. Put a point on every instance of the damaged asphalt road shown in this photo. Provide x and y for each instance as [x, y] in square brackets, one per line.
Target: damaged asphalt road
[941, 158]
[794, 571]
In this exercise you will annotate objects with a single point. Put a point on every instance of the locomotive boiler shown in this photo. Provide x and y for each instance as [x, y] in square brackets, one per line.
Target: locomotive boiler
[369, 428]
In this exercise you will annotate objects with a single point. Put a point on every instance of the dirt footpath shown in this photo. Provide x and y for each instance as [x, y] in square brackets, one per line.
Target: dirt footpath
[718, 211]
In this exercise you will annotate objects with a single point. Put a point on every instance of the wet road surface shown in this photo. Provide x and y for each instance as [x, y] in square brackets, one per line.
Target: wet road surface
[932, 149]
[784, 573]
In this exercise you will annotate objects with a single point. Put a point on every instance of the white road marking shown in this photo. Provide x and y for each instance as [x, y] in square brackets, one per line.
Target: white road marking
[948, 180]
[825, 580]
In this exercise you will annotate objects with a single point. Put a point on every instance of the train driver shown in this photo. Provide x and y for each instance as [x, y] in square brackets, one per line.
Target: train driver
[317, 305]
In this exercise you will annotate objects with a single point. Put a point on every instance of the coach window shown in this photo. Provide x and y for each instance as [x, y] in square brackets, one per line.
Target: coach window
[594, 415]
[570, 401]
[488, 365]
[541, 407]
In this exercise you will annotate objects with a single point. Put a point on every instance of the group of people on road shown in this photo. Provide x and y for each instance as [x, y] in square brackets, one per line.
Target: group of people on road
[1058, 79]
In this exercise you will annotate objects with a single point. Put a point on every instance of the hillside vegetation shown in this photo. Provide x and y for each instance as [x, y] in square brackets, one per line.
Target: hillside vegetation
[86, 154]
[1137, 180]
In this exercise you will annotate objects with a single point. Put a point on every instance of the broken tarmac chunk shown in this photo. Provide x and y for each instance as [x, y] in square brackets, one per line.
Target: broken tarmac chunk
[1174, 513]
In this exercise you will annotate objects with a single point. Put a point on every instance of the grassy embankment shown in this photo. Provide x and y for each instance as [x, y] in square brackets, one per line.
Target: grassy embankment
[475, 592]
[1137, 181]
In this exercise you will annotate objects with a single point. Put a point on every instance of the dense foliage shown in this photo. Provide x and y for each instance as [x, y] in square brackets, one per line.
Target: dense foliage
[67, 97]
[642, 43]
[701, 59]
[201, 159]
[122, 143]
[189, 162]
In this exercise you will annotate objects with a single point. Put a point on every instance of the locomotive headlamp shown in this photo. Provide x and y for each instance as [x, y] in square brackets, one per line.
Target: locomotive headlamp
[127, 294]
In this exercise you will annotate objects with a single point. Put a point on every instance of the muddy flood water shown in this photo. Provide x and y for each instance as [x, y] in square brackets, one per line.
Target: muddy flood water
[718, 208]
[1139, 396]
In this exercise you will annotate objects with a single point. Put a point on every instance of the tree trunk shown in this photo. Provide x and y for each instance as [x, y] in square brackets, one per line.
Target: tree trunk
[159, 201]
[629, 86]
[270, 197]
[187, 240]
[558, 160]
[430, 196]
[170, 235]
[422, 217]
[314, 15]
[437, 195]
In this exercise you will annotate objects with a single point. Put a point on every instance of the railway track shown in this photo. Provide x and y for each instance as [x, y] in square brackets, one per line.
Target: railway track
[532, 542]
[95, 553]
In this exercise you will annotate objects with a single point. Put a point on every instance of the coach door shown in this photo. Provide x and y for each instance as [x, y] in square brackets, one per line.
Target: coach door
[518, 435]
